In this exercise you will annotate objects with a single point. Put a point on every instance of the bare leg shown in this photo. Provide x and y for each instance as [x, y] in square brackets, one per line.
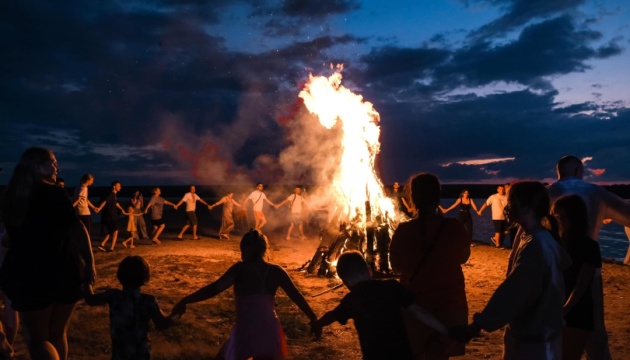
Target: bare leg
[59, 328]
[157, 232]
[301, 229]
[104, 242]
[289, 232]
[573, 343]
[181, 233]
[627, 259]
[260, 220]
[114, 238]
[37, 332]
[194, 228]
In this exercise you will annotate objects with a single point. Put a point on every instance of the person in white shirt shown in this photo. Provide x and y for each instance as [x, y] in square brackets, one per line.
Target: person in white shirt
[190, 198]
[296, 201]
[601, 204]
[82, 203]
[498, 202]
[257, 197]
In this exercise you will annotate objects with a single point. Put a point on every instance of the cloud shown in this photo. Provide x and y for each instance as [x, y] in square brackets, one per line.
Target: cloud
[518, 13]
[476, 162]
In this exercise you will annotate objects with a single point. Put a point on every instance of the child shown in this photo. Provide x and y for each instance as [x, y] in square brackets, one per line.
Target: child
[582, 293]
[131, 226]
[130, 310]
[375, 306]
[257, 332]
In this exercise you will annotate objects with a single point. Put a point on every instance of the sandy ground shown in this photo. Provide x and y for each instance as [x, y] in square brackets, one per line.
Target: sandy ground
[180, 267]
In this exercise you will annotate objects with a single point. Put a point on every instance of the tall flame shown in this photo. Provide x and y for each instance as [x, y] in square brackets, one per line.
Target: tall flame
[354, 180]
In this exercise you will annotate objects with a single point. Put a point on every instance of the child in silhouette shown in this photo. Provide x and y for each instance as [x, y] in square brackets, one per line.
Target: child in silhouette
[130, 311]
[375, 306]
[257, 332]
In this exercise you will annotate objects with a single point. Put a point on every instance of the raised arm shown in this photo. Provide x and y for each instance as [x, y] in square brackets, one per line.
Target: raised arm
[294, 294]
[207, 292]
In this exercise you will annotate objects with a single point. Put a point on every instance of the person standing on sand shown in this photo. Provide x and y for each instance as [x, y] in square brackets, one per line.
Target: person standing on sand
[296, 201]
[82, 202]
[49, 257]
[190, 198]
[601, 204]
[257, 333]
[498, 202]
[227, 220]
[110, 217]
[156, 204]
[137, 200]
[530, 300]
[257, 197]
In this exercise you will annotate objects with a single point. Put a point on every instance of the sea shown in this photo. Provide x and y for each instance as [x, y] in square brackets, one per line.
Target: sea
[613, 242]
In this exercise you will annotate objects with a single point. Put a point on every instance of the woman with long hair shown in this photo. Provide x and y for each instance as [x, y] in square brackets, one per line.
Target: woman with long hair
[530, 299]
[463, 215]
[49, 255]
[428, 252]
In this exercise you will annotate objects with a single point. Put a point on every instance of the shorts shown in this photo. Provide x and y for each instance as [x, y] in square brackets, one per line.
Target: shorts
[111, 225]
[192, 218]
[499, 226]
[157, 222]
[296, 219]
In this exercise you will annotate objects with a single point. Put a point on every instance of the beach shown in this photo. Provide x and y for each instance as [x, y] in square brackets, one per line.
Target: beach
[180, 267]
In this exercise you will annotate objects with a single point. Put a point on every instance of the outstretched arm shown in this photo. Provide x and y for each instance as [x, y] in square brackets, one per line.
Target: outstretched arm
[235, 203]
[472, 203]
[282, 203]
[327, 319]
[269, 202]
[223, 199]
[427, 318]
[207, 292]
[457, 202]
[407, 205]
[93, 299]
[485, 205]
[294, 294]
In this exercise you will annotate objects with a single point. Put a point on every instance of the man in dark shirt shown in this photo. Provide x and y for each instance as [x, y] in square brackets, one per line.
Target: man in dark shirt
[110, 216]
[375, 306]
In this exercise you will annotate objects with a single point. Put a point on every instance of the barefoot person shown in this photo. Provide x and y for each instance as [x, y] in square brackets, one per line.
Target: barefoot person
[82, 202]
[41, 274]
[156, 204]
[227, 220]
[110, 216]
[257, 197]
[257, 333]
[190, 198]
[296, 202]
[497, 202]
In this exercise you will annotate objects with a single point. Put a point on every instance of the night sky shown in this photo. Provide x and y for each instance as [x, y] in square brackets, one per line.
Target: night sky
[183, 91]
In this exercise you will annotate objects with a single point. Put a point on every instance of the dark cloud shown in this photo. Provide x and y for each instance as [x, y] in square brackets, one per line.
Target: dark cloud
[552, 47]
[518, 13]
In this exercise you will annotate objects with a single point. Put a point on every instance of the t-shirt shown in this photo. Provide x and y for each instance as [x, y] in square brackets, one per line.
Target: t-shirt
[111, 211]
[581, 314]
[191, 201]
[375, 306]
[81, 194]
[157, 207]
[129, 314]
[257, 197]
[498, 203]
[295, 203]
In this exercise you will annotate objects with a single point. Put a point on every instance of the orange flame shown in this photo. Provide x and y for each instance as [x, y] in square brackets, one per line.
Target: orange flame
[354, 180]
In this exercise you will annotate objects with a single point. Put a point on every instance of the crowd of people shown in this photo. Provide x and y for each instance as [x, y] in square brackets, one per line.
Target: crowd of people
[550, 303]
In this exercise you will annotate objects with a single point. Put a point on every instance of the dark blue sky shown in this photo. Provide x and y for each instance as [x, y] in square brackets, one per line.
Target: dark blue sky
[177, 92]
